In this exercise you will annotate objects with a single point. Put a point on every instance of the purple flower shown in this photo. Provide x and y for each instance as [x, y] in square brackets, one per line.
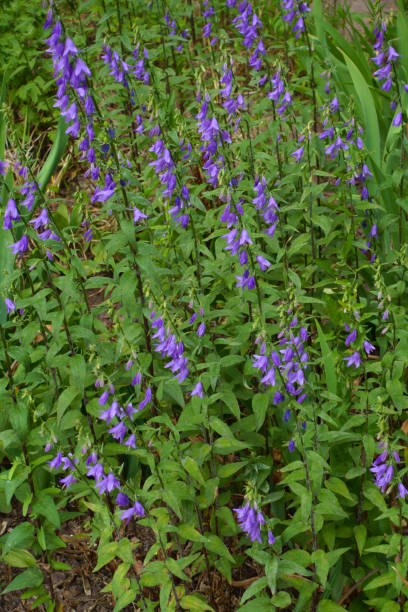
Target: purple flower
[68, 481]
[137, 215]
[55, 463]
[392, 54]
[198, 390]
[3, 168]
[291, 446]
[351, 337]
[131, 441]
[122, 500]
[118, 432]
[41, 220]
[397, 120]
[103, 399]
[353, 360]
[137, 379]
[368, 347]
[9, 305]
[201, 330]
[110, 413]
[298, 153]
[402, 492]
[263, 263]
[96, 471]
[137, 509]
[107, 484]
[271, 538]
[20, 246]
[249, 521]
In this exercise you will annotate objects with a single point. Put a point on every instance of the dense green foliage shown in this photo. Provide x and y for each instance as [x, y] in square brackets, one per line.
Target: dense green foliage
[265, 381]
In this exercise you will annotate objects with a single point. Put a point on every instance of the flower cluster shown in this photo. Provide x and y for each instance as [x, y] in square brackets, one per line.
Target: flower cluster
[383, 470]
[212, 137]
[231, 104]
[267, 209]
[170, 348]
[173, 30]
[105, 483]
[207, 29]
[355, 358]
[294, 13]
[279, 94]
[289, 365]
[251, 520]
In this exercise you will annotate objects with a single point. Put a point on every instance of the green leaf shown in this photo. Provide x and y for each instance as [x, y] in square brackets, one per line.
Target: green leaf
[214, 544]
[28, 579]
[260, 406]
[329, 606]
[338, 486]
[173, 566]
[188, 532]
[45, 506]
[224, 446]
[281, 600]
[228, 469]
[21, 536]
[360, 533]
[128, 597]
[193, 602]
[329, 361]
[20, 558]
[192, 468]
[322, 566]
[221, 428]
[369, 113]
[271, 572]
[106, 553]
[65, 399]
[53, 158]
[379, 581]
[254, 589]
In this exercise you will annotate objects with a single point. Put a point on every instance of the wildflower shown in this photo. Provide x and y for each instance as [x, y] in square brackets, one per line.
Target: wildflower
[55, 463]
[201, 330]
[3, 168]
[122, 500]
[263, 263]
[351, 337]
[96, 471]
[198, 390]
[368, 347]
[118, 431]
[137, 215]
[271, 538]
[291, 446]
[249, 522]
[9, 305]
[392, 54]
[298, 154]
[107, 484]
[353, 360]
[68, 481]
[137, 509]
[20, 246]
[137, 379]
[397, 120]
[131, 441]
[103, 399]
[402, 491]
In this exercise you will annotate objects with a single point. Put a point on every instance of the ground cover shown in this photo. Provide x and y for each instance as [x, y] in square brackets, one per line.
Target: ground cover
[203, 314]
